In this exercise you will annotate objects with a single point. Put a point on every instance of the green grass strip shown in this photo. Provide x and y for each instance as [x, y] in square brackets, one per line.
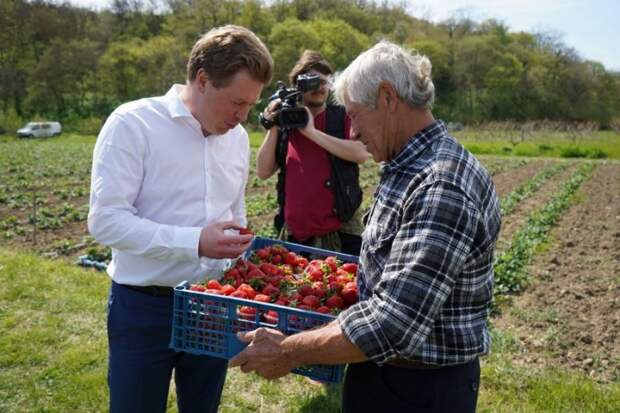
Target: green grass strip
[261, 204]
[510, 202]
[510, 274]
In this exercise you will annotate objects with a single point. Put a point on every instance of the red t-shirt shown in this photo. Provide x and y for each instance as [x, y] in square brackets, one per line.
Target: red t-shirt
[309, 204]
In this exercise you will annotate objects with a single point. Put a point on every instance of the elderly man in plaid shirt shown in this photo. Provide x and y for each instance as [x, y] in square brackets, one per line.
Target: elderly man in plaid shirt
[425, 282]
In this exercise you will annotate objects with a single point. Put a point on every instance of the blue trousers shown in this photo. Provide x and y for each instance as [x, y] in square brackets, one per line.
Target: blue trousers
[370, 388]
[140, 362]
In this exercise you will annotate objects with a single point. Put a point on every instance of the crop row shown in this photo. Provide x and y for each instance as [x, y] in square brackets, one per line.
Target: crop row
[509, 203]
[510, 274]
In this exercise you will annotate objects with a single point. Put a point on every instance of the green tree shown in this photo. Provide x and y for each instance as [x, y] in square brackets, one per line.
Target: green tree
[338, 41]
[287, 41]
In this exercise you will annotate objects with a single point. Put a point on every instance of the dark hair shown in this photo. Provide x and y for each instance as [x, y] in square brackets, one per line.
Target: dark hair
[223, 51]
[309, 60]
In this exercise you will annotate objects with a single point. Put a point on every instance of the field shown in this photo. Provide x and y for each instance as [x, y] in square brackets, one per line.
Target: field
[556, 322]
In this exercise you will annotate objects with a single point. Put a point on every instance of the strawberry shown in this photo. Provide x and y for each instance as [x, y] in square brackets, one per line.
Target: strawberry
[239, 294]
[271, 317]
[247, 313]
[335, 301]
[271, 290]
[350, 267]
[311, 301]
[263, 254]
[290, 259]
[197, 287]
[332, 262]
[349, 293]
[318, 289]
[304, 290]
[227, 289]
[250, 292]
[314, 273]
[262, 298]
[245, 231]
[322, 309]
[335, 287]
[302, 262]
[214, 285]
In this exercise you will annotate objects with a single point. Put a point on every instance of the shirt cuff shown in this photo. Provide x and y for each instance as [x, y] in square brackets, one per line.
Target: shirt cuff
[361, 327]
[185, 243]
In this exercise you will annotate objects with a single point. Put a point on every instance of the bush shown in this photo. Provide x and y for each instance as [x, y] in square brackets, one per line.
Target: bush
[10, 121]
[597, 154]
[545, 147]
[84, 126]
[573, 152]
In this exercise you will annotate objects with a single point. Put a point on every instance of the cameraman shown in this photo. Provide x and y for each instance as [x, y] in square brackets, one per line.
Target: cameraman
[318, 181]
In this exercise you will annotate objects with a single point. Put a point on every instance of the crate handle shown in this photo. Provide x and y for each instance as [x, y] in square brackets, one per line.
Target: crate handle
[236, 346]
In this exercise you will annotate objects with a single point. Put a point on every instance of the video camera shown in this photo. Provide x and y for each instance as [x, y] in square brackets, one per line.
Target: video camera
[291, 114]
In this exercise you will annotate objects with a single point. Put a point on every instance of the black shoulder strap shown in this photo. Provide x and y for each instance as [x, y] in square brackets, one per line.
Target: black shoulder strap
[281, 152]
[334, 121]
[281, 148]
[345, 174]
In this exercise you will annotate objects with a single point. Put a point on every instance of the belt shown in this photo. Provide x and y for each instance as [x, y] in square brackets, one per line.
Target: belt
[154, 290]
[410, 364]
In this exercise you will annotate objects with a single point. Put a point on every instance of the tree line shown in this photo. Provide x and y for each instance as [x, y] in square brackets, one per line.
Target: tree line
[76, 65]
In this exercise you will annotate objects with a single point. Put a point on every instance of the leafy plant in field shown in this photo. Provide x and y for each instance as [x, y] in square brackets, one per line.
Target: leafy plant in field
[261, 204]
[510, 275]
[510, 201]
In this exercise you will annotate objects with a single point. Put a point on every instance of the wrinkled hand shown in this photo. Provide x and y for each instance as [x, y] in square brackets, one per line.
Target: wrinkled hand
[264, 354]
[215, 243]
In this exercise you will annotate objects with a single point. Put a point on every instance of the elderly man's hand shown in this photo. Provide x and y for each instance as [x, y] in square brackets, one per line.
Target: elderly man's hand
[264, 354]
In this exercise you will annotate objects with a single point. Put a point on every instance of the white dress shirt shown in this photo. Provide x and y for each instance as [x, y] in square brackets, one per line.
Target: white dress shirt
[156, 182]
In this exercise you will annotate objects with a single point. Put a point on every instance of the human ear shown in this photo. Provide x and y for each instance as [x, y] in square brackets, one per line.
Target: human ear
[387, 94]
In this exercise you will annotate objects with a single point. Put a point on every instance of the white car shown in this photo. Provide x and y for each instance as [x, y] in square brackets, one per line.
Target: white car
[40, 130]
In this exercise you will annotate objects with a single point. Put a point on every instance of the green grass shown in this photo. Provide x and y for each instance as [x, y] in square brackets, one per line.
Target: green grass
[599, 145]
[53, 352]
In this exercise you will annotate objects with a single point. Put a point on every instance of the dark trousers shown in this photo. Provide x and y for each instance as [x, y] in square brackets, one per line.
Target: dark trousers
[350, 244]
[370, 388]
[141, 363]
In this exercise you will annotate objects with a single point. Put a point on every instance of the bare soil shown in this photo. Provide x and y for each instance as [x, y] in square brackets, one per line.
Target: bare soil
[518, 217]
[570, 316]
[509, 180]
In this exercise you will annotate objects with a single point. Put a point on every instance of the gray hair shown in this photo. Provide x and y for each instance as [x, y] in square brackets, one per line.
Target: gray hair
[409, 73]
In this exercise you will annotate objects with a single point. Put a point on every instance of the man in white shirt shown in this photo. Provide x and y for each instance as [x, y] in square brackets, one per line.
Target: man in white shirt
[167, 188]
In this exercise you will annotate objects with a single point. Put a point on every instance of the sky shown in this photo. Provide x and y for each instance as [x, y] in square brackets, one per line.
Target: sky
[592, 27]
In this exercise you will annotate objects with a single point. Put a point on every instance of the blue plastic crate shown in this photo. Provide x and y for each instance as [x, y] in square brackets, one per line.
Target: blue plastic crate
[208, 323]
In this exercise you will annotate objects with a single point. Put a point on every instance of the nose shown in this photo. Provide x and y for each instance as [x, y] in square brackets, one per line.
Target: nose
[242, 115]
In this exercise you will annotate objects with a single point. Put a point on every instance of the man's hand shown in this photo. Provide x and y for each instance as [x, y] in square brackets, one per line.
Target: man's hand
[309, 130]
[214, 243]
[264, 355]
[271, 111]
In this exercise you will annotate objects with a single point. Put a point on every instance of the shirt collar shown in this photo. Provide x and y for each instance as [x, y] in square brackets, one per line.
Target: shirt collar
[415, 145]
[176, 107]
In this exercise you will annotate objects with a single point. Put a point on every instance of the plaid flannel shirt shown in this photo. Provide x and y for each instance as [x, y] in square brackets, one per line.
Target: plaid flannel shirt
[426, 266]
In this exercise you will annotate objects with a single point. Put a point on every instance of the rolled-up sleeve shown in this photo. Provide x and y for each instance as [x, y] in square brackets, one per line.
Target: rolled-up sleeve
[428, 251]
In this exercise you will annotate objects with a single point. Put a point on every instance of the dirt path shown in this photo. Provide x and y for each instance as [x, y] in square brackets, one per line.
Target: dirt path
[570, 315]
[509, 180]
[515, 220]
